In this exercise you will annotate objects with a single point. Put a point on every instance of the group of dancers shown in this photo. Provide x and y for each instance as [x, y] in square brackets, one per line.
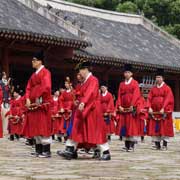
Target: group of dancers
[85, 115]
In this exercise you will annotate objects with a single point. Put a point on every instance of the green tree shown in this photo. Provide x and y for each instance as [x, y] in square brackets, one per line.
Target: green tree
[175, 12]
[174, 30]
[103, 4]
[83, 2]
[164, 13]
[160, 9]
[106, 4]
[127, 7]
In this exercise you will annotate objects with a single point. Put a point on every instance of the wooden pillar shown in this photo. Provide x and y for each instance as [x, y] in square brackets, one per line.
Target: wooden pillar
[177, 95]
[5, 61]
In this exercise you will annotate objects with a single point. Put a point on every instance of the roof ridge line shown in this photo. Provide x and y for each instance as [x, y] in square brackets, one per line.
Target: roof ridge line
[95, 12]
[130, 18]
[67, 25]
[91, 8]
[154, 28]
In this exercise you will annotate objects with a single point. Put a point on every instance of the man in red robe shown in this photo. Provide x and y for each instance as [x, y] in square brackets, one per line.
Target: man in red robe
[142, 112]
[88, 125]
[38, 115]
[107, 103]
[161, 105]
[66, 102]
[128, 97]
[55, 117]
[15, 114]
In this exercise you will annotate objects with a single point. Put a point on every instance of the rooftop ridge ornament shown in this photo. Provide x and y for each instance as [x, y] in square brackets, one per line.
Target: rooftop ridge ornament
[46, 12]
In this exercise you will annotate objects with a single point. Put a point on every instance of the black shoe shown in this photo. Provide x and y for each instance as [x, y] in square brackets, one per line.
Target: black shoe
[127, 145]
[69, 153]
[38, 150]
[59, 139]
[46, 152]
[60, 153]
[106, 156]
[53, 137]
[157, 145]
[132, 145]
[17, 136]
[11, 138]
[97, 154]
[164, 147]
[109, 137]
[142, 139]
[165, 143]
[30, 142]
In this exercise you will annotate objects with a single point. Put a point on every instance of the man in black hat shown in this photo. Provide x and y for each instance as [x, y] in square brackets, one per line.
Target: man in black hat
[88, 125]
[15, 114]
[161, 105]
[128, 97]
[38, 98]
[107, 103]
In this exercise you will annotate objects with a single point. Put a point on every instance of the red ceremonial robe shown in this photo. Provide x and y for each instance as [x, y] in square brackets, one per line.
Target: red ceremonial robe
[128, 95]
[158, 98]
[86, 145]
[16, 109]
[89, 125]
[38, 122]
[66, 102]
[54, 112]
[1, 100]
[107, 104]
[142, 116]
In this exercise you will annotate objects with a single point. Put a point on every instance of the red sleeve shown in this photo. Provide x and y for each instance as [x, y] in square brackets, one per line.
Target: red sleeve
[149, 99]
[92, 88]
[110, 107]
[28, 89]
[169, 99]
[10, 109]
[61, 99]
[118, 102]
[136, 94]
[23, 107]
[45, 86]
[52, 106]
[1, 96]
[72, 102]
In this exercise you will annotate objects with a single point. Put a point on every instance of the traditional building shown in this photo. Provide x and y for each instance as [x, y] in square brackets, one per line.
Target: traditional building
[24, 31]
[115, 39]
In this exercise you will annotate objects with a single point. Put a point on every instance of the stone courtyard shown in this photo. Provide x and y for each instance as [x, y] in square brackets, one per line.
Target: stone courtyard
[144, 163]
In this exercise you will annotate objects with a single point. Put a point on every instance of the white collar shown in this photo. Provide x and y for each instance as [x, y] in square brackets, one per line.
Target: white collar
[129, 81]
[68, 90]
[104, 94]
[159, 86]
[55, 98]
[18, 97]
[87, 77]
[38, 70]
[4, 81]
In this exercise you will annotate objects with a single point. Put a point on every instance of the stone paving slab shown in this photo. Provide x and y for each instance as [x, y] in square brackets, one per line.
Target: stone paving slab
[145, 163]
